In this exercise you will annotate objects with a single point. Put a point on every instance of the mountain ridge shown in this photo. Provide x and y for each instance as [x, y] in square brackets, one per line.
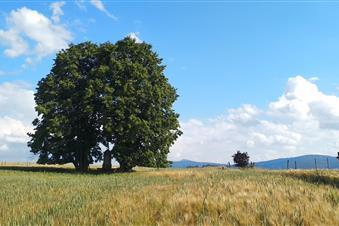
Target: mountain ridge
[310, 161]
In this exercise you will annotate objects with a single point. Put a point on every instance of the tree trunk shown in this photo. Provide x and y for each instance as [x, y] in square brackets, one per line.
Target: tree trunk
[83, 166]
[125, 167]
[107, 164]
[76, 165]
[83, 163]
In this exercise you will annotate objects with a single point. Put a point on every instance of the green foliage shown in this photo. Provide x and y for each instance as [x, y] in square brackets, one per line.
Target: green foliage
[67, 127]
[105, 94]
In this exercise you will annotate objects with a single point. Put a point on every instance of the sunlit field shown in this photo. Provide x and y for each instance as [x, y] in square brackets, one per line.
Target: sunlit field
[208, 196]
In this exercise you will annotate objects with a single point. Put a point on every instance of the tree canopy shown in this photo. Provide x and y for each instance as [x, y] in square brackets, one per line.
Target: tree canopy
[109, 95]
[241, 159]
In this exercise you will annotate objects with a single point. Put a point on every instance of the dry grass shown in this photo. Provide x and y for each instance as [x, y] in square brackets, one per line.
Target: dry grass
[170, 197]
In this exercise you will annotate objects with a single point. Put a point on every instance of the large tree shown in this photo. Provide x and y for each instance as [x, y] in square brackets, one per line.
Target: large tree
[113, 95]
[145, 124]
[67, 128]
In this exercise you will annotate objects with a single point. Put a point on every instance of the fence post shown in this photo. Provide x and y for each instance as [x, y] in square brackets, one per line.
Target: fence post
[328, 164]
[288, 164]
[315, 163]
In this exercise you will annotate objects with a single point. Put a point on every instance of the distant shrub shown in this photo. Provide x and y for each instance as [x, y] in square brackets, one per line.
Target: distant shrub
[241, 159]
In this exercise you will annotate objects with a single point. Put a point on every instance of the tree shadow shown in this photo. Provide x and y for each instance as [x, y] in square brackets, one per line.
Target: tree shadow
[316, 178]
[58, 170]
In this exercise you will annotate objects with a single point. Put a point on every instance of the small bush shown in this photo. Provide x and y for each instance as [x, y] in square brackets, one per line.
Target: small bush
[241, 159]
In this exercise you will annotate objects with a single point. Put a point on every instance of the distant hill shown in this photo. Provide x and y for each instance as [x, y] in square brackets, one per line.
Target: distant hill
[185, 163]
[303, 162]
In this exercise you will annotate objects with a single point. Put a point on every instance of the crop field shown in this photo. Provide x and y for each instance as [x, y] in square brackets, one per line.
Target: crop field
[207, 196]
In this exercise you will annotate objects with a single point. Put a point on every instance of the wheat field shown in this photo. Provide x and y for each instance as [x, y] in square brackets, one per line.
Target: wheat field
[207, 196]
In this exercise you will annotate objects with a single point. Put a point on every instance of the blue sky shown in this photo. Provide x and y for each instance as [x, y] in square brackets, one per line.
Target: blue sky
[219, 55]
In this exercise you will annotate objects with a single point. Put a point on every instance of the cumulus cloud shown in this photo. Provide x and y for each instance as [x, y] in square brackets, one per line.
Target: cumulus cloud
[303, 100]
[16, 115]
[17, 101]
[100, 6]
[245, 115]
[303, 120]
[29, 26]
[56, 8]
[17, 46]
[135, 37]
[13, 130]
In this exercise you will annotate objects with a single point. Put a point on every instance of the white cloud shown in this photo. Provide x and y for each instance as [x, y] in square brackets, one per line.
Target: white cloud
[3, 147]
[303, 100]
[100, 6]
[134, 36]
[313, 79]
[25, 26]
[13, 130]
[17, 101]
[283, 129]
[302, 121]
[245, 115]
[16, 115]
[17, 46]
[28, 61]
[80, 4]
[7, 73]
[57, 10]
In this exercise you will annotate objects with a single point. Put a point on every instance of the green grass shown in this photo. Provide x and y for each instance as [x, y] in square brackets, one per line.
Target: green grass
[169, 197]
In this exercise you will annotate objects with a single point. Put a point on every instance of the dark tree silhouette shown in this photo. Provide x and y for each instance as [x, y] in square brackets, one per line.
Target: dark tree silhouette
[241, 159]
